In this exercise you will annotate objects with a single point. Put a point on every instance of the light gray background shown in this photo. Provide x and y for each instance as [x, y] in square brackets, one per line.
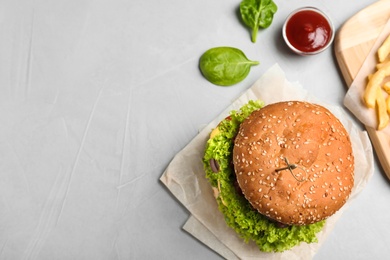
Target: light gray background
[96, 97]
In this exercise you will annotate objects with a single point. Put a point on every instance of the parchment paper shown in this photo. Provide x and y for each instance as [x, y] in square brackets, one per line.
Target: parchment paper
[185, 178]
[353, 99]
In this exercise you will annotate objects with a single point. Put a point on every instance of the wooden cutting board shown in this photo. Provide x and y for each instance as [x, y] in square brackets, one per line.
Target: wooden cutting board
[353, 42]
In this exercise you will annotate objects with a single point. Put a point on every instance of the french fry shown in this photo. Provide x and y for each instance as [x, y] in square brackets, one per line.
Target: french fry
[381, 110]
[374, 96]
[388, 104]
[374, 83]
[381, 64]
[384, 50]
[386, 87]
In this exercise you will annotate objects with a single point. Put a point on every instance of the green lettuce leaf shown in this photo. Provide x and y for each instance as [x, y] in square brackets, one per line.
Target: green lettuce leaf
[238, 213]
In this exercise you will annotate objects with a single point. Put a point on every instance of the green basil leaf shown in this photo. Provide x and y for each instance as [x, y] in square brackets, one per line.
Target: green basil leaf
[257, 14]
[225, 66]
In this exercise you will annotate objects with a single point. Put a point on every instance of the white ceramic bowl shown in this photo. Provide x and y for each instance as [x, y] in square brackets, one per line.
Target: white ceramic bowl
[291, 38]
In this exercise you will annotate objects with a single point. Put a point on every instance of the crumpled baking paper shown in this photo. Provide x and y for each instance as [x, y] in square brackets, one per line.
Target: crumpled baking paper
[354, 97]
[185, 177]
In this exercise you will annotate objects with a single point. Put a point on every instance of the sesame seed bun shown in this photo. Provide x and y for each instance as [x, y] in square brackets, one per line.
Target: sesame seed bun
[313, 143]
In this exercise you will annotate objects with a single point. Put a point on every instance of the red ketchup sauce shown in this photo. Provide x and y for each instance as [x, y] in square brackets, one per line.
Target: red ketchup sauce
[308, 31]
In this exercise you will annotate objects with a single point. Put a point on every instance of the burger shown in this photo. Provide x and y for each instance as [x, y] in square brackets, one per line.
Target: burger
[279, 171]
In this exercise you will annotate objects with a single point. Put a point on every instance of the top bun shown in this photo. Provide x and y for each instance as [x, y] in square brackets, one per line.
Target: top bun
[317, 147]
